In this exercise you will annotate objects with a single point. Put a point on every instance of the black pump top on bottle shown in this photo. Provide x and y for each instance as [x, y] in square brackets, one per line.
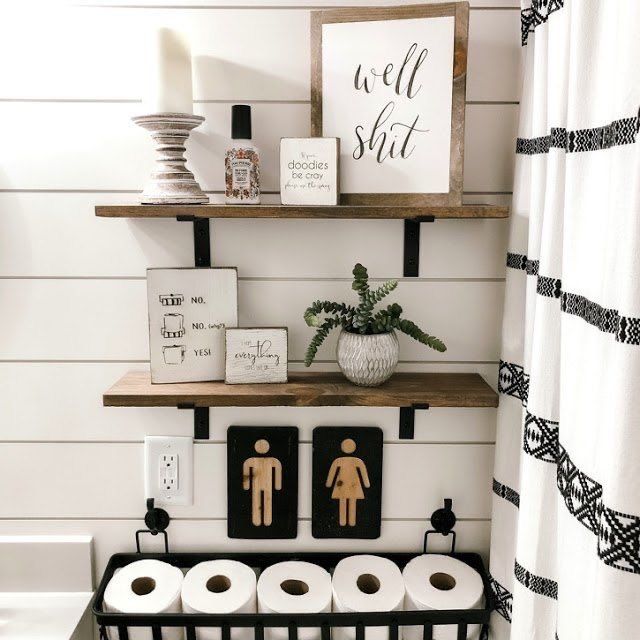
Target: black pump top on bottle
[241, 122]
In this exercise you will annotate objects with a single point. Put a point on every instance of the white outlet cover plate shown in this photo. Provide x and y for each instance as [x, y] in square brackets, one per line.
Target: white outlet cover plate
[155, 449]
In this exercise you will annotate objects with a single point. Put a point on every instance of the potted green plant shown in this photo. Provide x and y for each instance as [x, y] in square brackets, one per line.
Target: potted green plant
[368, 346]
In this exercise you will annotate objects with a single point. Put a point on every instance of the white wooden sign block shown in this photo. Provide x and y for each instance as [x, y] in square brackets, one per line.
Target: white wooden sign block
[256, 355]
[189, 310]
[309, 171]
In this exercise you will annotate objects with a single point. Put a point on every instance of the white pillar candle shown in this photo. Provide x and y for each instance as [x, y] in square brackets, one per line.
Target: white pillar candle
[168, 79]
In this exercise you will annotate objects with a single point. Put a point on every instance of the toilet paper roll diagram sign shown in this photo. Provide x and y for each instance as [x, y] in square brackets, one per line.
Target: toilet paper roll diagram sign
[189, 310]
[347, 482]
[262, 482]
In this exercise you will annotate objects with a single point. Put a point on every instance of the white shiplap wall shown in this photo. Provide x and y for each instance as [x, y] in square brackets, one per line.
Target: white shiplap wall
[73, 291]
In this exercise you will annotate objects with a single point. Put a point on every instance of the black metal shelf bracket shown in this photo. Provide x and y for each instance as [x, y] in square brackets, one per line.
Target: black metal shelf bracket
[406, 430]
[201, 239]
[200, 421]
[412, 245]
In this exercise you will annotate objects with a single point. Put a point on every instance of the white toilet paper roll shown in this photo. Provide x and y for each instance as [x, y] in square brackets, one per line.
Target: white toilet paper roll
[294, 587]
[145, 586]
[220, 586]
[436, 581]
[366, 583]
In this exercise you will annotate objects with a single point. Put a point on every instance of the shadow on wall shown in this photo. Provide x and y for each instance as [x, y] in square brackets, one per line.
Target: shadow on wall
[240, 80]
[163, 242]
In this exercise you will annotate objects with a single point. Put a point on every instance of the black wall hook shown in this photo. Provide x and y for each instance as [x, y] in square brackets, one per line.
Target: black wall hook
[157, 520]
[442, 520]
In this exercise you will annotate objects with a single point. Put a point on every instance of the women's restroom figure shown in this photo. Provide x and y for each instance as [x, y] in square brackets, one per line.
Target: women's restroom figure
[347, 476]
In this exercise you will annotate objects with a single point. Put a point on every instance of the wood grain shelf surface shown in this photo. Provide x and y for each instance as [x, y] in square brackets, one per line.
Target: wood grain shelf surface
[134, 389]
[355, 212]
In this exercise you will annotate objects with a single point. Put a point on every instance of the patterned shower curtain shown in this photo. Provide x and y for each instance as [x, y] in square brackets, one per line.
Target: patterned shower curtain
[565, 548]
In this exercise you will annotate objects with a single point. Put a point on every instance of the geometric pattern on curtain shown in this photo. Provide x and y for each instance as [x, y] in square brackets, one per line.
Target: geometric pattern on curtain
[565, 547]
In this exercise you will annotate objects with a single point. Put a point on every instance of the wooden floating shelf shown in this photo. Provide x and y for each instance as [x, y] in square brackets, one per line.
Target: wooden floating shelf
[307, 390]
[359, 212]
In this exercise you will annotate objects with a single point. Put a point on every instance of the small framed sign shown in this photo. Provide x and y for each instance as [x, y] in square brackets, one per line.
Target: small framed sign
[309, 171]
[390, 83]
[256, 355]
[189, 310]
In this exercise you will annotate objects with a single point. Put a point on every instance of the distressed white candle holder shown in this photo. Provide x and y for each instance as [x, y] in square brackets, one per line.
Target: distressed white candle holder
[171, 182]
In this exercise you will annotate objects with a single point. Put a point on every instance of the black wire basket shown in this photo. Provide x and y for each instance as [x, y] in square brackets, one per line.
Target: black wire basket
[119, 623]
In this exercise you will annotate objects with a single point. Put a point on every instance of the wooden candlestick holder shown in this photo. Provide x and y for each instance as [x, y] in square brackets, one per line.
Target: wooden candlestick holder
[171, 182]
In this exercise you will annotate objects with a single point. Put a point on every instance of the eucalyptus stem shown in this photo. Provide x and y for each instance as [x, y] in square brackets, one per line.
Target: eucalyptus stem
[326, 316]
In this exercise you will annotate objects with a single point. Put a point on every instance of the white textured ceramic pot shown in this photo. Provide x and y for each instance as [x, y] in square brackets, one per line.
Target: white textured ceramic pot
[367, 360]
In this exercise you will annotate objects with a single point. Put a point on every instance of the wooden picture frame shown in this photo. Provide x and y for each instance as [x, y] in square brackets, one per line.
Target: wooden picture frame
[459, 11]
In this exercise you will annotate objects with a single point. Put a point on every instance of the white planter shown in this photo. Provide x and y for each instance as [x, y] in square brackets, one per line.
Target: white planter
[367, 360]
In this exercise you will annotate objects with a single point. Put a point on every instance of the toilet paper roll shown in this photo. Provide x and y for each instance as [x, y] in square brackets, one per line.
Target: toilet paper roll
[220, 586]
[366, 583]
[435, 581]
[145, 586]
[294, 587]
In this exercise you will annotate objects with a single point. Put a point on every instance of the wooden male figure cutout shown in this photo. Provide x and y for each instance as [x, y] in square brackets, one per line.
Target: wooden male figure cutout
[262, 475]
[347, 475]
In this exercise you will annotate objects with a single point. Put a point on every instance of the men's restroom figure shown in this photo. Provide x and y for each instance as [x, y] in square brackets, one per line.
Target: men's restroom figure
[346, 476]
[262, 476]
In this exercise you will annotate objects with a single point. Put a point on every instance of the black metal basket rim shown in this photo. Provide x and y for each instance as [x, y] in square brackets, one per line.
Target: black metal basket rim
[268, 620]
[323, 558]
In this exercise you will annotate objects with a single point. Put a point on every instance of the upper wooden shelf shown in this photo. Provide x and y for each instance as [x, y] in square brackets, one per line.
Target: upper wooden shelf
[282, 211]
[307, 390]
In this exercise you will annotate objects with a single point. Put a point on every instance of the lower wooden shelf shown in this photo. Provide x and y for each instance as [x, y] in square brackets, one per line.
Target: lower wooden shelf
[355, 212]
[134, 389]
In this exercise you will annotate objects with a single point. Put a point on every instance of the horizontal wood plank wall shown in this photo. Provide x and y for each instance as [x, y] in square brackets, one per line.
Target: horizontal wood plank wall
[113, 535]
[108, 478]
[104, 151]
[100, 319]
[73, 289]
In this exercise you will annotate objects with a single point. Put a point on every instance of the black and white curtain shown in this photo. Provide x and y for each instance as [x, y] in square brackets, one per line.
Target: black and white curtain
[565, 548]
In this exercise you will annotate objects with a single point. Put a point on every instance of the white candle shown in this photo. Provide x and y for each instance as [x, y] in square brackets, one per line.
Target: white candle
[168, 79]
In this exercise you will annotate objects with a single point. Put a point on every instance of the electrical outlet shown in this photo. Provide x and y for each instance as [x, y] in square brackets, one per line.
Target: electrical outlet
[168, 473]
[168, 470]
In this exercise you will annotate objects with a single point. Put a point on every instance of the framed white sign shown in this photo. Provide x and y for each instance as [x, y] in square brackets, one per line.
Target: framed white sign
[390, 83]
[189, 310]
[256, 355]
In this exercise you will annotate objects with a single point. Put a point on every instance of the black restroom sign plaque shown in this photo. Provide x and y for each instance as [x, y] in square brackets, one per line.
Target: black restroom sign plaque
[262, 482]
[347, 482]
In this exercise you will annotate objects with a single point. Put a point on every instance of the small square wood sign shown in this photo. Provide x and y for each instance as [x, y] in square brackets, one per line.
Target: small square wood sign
[262, 482]
[347, 482]
[309, 171]
[189, 310]
[256, 356]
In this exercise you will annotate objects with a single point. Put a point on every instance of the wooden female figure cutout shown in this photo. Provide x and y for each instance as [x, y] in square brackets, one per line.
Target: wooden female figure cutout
[262, 475]
[347, 475]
